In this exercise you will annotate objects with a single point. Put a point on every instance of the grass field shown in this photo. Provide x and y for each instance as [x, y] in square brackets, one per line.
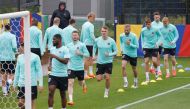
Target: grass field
[93, 99]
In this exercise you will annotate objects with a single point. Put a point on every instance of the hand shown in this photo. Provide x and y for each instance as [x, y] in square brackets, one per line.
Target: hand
[161, 44]
[49, 68]
[128, 42]
[171, 43]
[121, 52]
[106, 53]
[77, 52]
[40, 88]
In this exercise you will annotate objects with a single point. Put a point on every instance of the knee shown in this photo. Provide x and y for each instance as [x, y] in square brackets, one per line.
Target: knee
[70, 83]
[123, 67]
[165, 60]
[99, 79]
[21, 105]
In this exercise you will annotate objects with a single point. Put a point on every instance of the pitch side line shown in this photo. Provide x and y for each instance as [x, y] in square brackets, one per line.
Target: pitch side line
[157, 95]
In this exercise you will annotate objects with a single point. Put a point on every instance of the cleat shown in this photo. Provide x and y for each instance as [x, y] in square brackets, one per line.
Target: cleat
[105, 94]
[167, 75]
[87, 77]
[92, 75]
[70, 103]
[153, 81]
[84, 89]
[125, 84]
[159, 79]
[134, 87]
[173, 73]
[152, 71]
[160, 73]
[144, 83]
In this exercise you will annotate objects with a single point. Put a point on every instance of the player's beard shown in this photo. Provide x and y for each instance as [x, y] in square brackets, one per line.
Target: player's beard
[55, 44]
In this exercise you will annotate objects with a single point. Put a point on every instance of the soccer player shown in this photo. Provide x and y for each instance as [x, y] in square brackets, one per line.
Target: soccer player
[59, 56]
[36, 38]
[78, 52]
[158, 25]
[129, 45]
[106, 51]
[50, 32]
[170, 37]
[150, 43]
[36, 75]
[63, 14]
[87, 37]
[67, 32]
[8, 48]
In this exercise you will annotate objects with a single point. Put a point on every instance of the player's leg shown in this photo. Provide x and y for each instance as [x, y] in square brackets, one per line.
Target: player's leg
[146, 61]
[52, 84]
[20, 96]
[91, 74]
[21, 103]
[34, 96]
[108, 72]
[71, 77]
[86, 68]
[166, 64]
[99, 71]
[124, 63]
[158, 60]
[133, 62]
[33, 104]
[4, 68]
[63, 85]
[80, 76]
[11, 72]
[172, 53]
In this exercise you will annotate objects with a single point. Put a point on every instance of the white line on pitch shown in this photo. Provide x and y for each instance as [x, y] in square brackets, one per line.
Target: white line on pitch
[182, 77]
[157, 95]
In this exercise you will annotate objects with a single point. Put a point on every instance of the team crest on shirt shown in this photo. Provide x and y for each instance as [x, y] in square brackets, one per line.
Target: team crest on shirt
[108, 43]
[78, 48]
[152, 33]
[170, 30]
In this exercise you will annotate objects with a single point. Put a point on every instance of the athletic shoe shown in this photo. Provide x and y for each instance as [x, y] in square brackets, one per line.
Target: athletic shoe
[173, 73]
[167, 75]
[5, 94]
[84, 89]
[87, 77]
[159, 79]
[8, 87]
[134, 86]
[92, 75]
[153, 81]
[125, 84]
[144, 83]
[152, 70]
[70, 103]
[105, 94]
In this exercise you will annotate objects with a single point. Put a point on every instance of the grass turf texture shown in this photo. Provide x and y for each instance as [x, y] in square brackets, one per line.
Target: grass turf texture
[93, 99]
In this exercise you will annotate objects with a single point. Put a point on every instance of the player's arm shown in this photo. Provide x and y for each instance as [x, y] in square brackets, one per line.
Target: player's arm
[159, 35]
[17, 73]
[176, 34]
[92, 32]
[14, 44]
[142, 39]
[95, 48]
[38, 68]
[121, 43]
[45, 41]
[114, 48]
[64, 60]
[40, 42]
[135, 43]
[85, 51]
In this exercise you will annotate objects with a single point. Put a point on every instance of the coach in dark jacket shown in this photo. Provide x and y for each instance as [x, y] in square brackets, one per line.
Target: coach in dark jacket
[63, 14]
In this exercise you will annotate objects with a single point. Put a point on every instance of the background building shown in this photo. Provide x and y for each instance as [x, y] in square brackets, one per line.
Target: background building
[135, 11]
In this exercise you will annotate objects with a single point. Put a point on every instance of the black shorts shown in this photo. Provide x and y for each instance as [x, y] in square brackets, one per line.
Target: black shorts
[148, 52]
[8, 67]
[36, 51]
[90, 49]
[73, 74]
[170, 51]
[60, 82]
[104, 68]
[132, 60]
[160, 50]
[21, 93]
